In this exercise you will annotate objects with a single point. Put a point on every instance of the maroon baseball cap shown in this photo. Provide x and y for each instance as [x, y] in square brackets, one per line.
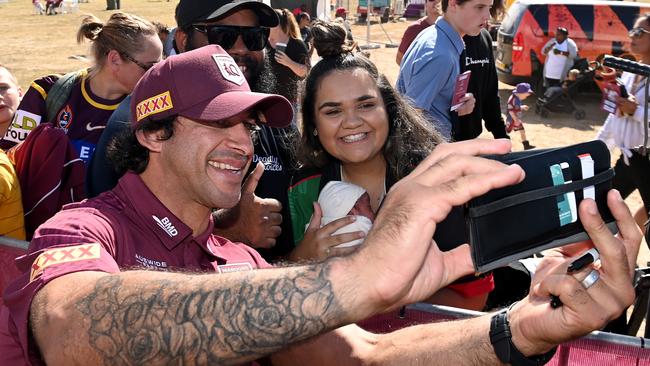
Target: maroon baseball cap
[203, 84]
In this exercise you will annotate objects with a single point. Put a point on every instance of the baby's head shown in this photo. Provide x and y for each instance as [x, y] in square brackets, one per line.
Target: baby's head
[362, 207]
[340, 199]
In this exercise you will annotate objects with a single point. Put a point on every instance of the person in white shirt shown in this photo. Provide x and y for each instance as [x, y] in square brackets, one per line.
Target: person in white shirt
[560, 53]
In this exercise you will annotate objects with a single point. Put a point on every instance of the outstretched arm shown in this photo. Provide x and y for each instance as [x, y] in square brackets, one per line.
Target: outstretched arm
[154, 318]
[158, 318]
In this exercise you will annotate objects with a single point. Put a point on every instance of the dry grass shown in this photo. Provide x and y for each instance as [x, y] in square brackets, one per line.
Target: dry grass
[35, 45]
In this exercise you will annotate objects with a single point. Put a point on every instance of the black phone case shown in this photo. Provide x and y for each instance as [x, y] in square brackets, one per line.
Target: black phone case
[515, 222]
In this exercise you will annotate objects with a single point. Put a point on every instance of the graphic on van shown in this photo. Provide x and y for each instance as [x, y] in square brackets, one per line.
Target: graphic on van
[597, 27]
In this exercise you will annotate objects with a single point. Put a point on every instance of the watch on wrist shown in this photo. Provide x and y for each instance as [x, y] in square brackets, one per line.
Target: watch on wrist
[501, 340]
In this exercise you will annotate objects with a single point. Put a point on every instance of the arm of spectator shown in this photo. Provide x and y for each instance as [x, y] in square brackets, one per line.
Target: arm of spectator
[298, 61]
[572, 49]
[254, 221]
[630, 107]
[548, 46]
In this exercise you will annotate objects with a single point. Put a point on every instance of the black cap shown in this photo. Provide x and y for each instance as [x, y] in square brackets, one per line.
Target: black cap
[562, 30]
[194, 11]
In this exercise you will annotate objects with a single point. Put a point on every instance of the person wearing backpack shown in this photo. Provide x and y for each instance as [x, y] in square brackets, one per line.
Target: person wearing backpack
[81, 102]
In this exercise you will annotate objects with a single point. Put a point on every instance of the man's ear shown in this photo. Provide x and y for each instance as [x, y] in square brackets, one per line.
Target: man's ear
[151, 140]
[180, 38]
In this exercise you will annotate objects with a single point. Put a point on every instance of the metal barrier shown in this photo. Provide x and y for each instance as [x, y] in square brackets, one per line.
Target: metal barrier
[595, 349]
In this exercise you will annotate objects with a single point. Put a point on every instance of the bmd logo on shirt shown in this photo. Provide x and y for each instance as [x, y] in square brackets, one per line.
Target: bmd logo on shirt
[166, 225]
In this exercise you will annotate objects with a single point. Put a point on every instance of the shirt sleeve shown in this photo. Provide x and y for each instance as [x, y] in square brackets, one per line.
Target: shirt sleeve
[72, 241]
[409, 35]
[298, 52]
[425, 76]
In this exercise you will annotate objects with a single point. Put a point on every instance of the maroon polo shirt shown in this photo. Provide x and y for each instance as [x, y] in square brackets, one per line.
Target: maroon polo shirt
[126, 228]
[411, 32]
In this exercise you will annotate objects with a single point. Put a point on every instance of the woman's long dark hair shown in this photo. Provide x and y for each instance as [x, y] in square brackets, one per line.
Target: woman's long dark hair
[411, 137]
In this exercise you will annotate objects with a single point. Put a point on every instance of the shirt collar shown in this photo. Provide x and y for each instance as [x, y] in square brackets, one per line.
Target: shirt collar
[451, 34]
[169, 229]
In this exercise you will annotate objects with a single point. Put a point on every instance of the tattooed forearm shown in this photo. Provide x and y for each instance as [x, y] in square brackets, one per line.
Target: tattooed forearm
[212, 319]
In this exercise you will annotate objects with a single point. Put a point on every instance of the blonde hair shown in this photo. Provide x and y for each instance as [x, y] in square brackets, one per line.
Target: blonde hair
[12, 77]
[122, 32]
[288, 23]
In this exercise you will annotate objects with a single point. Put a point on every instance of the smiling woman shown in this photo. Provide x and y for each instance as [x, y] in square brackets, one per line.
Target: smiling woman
[356, 128]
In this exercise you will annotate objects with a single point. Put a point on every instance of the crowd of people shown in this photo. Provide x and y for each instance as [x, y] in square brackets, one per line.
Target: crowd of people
[247, 206]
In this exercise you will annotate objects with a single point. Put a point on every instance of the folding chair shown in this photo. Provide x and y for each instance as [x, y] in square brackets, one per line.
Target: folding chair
[9, 249]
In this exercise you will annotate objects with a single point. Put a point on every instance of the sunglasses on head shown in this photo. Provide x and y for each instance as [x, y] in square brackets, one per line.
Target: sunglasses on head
[255, 38]
[637, 32]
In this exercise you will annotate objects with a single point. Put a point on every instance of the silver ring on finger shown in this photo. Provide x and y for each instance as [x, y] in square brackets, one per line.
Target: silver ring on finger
[327, 251]
[591, 278]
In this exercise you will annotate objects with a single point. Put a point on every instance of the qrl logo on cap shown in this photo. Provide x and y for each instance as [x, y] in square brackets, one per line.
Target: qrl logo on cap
[229, 69]
[156, 104]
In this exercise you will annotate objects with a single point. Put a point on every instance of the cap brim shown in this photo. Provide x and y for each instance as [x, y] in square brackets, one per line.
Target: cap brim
[276, 109]
[265, 13]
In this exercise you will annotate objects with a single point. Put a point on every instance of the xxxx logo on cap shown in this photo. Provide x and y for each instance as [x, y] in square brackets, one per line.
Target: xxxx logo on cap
[153, 105]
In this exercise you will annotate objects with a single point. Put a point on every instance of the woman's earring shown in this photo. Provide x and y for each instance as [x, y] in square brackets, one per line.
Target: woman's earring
[315, 132]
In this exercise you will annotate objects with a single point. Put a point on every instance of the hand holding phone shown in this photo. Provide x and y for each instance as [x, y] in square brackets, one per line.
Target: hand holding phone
[282, 47]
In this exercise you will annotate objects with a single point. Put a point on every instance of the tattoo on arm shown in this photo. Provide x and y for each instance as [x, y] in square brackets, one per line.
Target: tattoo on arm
[215, 319]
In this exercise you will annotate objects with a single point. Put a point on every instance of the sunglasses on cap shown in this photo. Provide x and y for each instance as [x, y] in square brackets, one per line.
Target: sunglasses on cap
[255, 38]
[637, 32]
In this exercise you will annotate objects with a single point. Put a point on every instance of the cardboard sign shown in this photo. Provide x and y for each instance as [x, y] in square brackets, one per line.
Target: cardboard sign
[462, 82]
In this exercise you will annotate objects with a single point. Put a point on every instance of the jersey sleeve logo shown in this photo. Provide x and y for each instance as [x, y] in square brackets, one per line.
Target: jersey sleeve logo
[51, 257]
[156, 104]
[64, 118]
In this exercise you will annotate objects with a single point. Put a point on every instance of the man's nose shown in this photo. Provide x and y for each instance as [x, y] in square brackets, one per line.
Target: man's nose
[239, 47]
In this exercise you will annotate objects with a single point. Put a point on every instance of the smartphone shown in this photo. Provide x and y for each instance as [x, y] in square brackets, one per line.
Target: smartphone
[281, 47]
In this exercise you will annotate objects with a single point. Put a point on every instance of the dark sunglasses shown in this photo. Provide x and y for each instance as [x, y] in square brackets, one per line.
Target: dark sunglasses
[637, 32]
[144, 66]
[255, 38]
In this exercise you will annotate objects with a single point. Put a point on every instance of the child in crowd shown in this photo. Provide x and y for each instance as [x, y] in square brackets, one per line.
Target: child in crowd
[339, 199]
[11, 207]
[515, 108]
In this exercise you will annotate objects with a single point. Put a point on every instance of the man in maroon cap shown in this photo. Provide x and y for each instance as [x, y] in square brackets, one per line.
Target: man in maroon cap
[241, 27]
[192, 115]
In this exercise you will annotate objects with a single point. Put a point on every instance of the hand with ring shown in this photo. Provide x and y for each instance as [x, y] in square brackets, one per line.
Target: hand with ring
[592, 296]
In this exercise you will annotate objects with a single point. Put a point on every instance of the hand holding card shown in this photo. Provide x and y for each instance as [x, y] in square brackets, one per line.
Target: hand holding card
[462, 82]
[611, 93]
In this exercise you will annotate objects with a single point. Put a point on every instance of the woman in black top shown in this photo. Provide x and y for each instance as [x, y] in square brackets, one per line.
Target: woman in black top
[291, 64]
